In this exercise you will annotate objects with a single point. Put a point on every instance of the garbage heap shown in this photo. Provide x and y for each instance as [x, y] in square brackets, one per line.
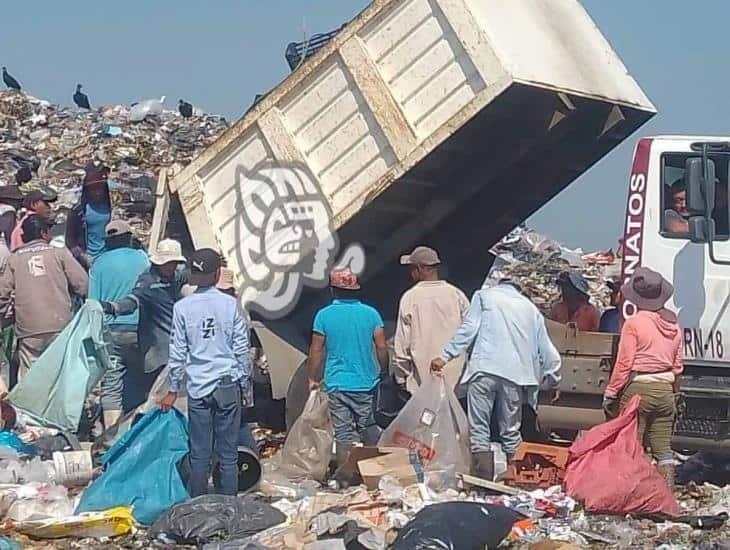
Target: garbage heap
[56, 142]
[536, 261]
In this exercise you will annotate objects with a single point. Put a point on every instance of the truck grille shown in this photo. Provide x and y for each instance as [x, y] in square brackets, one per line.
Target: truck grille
[707, 418]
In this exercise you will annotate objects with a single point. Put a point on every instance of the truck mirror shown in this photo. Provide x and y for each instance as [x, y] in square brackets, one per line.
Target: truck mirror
[699, 229]
[700, 186]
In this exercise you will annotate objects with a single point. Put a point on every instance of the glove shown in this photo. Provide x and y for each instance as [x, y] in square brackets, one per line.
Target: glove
[108, 308]
[610, 406]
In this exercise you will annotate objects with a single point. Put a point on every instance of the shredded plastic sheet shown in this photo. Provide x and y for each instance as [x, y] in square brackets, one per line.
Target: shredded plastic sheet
[108, 523]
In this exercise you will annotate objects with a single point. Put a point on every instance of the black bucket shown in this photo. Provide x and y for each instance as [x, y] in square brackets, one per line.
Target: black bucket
[249, 469]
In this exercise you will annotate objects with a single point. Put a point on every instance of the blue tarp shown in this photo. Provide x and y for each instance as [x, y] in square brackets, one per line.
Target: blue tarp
[140, 470]
[55, 388]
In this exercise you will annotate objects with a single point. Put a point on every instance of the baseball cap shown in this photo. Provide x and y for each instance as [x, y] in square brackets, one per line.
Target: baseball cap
[344, 278]
[204, 263]
[37, 195]
[421, 255]
[168, 250]
[118, 227]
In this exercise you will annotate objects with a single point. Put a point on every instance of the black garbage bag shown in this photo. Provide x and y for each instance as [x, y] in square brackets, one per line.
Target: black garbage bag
[705, 467]
[457, 526]
[389, 400]
[216, 516]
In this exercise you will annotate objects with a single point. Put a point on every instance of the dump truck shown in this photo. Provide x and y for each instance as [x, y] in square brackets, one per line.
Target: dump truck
[437, 122]
[695, 256]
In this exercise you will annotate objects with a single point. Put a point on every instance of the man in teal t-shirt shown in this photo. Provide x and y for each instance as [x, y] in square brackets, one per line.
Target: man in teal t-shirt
[112, 277]
[348, 338]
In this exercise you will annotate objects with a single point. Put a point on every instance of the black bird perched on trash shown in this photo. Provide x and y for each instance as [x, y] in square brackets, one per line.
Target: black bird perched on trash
[10, 82]
[81, 99]
[185, 108]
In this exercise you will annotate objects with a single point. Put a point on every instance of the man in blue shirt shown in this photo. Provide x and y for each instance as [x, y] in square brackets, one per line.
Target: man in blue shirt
[154, 295]
[511, 358]
[348, 338]
[210, 346]
[112, 277]
[611, 318]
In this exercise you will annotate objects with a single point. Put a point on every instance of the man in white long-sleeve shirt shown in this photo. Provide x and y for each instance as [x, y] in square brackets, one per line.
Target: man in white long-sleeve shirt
[210, 345]
[512, 358]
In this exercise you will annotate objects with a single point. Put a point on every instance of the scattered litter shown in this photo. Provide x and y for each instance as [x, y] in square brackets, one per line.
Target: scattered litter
[108, 523]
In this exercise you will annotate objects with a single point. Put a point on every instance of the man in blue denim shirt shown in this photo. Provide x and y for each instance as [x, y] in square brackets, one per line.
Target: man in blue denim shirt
[210, 346]
[154, 296]
[511, 359]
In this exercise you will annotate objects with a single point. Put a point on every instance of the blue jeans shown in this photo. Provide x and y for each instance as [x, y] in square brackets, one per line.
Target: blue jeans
[491, 395]
[352, 417]
[215, 420]
[124, 356]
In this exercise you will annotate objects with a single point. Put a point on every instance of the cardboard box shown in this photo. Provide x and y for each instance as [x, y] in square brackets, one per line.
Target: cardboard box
[372, 463]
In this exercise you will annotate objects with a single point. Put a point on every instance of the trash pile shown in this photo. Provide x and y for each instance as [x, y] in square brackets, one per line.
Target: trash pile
[536, 261]
[49, 145]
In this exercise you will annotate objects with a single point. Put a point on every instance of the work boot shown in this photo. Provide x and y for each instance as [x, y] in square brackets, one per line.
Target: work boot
[111, 418]
[343, 473]
[667, 472]
[482, 465]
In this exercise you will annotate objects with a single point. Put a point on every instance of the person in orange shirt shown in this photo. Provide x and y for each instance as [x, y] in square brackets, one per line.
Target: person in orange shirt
[574, 306]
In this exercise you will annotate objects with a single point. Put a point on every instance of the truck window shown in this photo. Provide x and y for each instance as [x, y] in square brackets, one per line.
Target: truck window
[674, 197]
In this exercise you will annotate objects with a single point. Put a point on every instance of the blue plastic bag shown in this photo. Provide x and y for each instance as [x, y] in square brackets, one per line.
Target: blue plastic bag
[140, 470]
[11, 439]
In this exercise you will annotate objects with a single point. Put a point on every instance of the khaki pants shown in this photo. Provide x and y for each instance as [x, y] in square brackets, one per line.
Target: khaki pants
[656, 416]
[30, 349]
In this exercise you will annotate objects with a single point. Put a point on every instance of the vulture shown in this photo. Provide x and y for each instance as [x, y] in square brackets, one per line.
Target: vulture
[81, 99]
[185, 108]
[10, 82]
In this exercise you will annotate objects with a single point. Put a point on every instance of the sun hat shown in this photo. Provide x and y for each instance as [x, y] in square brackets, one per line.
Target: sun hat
[647, 289]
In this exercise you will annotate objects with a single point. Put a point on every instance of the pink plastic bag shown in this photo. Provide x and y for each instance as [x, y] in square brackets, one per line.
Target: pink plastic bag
[609, 473]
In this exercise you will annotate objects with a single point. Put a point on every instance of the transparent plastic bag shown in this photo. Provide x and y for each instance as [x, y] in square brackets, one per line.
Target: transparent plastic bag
[433, 424]
[308, 448]
[146, 107]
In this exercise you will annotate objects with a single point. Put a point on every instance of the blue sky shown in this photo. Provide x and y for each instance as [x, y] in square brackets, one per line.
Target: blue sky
[220, 54]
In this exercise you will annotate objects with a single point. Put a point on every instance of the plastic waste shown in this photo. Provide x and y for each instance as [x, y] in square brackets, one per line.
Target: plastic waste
[55, 389]
[140, 470]
[34, 471]
[636, 487]
[108, 523]
[500, 461]
[308, 448]
[434, 425]
[11, 440]
[457, 525]
[40, 501]
[212, 516]
[147, 107]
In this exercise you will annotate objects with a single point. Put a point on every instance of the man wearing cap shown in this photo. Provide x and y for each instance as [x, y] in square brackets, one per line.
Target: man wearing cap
[429, 313]
[512, 357]
[574, 306]
[40, 277]
[649, 363]
[112, 277]
[87, 221]
[154, 294]
[209, 347]
[349, 340]
[35, 202]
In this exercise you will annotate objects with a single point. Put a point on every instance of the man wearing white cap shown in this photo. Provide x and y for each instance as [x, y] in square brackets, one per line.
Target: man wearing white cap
[154, 295]
[112, 277]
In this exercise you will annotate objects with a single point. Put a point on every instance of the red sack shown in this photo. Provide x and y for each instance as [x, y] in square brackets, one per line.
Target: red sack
[609, 473]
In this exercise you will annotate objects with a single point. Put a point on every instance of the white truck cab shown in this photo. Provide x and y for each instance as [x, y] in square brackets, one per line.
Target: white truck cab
[677, 224]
